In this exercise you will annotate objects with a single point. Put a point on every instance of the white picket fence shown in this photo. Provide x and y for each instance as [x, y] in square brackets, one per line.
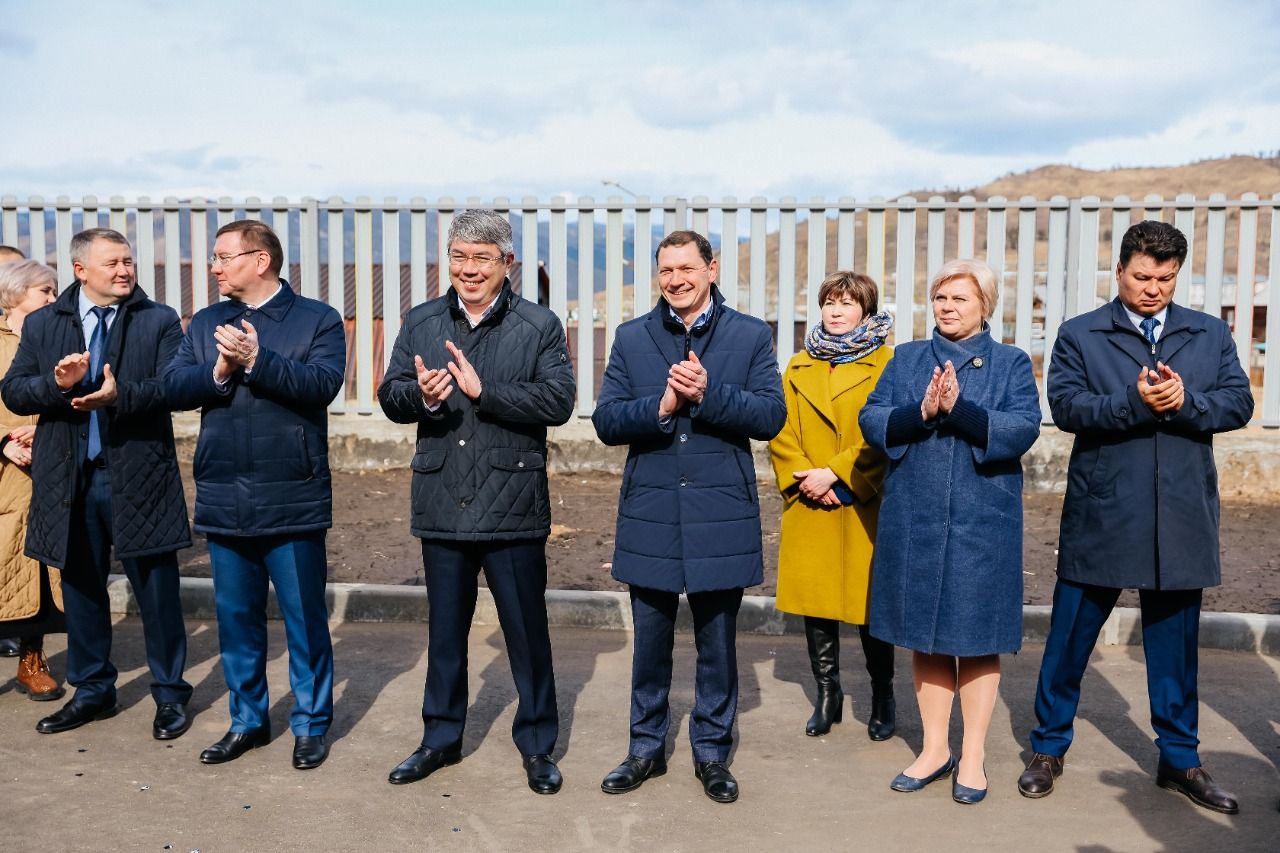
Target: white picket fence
[1054, 257]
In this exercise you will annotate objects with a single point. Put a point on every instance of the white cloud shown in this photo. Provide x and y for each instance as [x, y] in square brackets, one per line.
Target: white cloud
[741, 98]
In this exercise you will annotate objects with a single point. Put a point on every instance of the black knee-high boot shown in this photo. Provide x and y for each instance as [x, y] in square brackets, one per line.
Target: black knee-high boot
[883, 721]
[823, 637]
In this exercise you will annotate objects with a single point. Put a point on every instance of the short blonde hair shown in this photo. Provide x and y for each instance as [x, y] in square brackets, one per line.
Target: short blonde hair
[982, 276]
[17, 277]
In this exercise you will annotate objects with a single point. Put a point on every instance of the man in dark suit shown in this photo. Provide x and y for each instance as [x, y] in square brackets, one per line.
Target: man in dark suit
[687, 387]
[1144, 385]
[104, 474]
[482, 373]
[264, 366]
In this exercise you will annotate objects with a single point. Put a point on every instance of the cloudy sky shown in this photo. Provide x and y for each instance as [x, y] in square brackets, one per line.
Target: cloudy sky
[404, 98]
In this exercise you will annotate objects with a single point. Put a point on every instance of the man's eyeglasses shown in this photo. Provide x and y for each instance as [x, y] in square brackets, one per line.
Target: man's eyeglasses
[226, 259]
[665, 274]
[484, 262]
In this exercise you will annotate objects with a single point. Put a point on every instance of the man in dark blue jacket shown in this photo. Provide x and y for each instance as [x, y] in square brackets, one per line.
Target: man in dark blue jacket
[687, 387]
[264, 366]
[105, 473]
[1144, 385]
[482, 373]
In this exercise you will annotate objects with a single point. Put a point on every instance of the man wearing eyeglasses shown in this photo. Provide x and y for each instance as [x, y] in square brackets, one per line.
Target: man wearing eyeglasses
[686, 389]
[105, 475]
[482, 373]
[263, 367]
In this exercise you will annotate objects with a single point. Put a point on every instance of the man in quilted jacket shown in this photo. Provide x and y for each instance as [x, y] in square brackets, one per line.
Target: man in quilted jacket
[483, 373]
[105, 475]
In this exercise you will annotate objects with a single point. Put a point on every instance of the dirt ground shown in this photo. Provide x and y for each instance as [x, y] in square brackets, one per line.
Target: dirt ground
[370, 540]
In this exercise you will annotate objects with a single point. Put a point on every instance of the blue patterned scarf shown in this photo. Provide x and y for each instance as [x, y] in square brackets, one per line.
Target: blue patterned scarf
[868, 337]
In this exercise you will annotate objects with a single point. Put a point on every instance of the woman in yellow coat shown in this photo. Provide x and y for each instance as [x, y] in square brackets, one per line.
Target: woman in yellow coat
[830, 483]
[30, 596]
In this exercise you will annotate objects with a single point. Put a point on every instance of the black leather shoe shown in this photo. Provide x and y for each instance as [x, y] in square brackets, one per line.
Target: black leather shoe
[717, 782]
[309, 751]
[171, 721]
[75, 714]
[544, 776]
[9, 648]
[1037, 780]
[423, 763]
[1197, 784]
[631, 773]
[235, 744]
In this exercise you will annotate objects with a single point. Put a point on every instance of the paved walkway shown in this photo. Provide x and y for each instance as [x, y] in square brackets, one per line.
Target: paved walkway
[109, 786]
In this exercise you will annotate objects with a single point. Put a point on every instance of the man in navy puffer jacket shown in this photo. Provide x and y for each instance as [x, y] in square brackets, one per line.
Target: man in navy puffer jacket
[263, 367]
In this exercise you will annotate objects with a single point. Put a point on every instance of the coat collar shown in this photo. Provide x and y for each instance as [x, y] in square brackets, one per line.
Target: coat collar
[976, 349]
[814, 379]
[69, 300]
[500, 305]
[1180, 325]
[277, 306]
[667, 332]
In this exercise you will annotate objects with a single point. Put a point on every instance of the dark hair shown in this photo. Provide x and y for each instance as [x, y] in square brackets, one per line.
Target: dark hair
[1158, 240]
[861, 288]
[256, 236]
[81, 242]
[684, 238]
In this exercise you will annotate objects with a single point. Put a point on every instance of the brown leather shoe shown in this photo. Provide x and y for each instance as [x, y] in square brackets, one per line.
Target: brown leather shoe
[1199, 786]
[34, 678]
[1037, 780]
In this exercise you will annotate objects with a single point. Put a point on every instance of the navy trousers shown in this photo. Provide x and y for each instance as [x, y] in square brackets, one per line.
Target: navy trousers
[1170, 641]
[88, 610]
[516, 571]
[715, 705]
[297, 567]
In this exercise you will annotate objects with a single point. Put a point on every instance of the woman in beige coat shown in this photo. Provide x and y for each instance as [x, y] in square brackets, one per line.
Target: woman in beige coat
[830, 484]
[30, 596]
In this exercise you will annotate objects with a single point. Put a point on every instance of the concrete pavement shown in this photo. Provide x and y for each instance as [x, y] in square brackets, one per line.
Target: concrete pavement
[110, 786]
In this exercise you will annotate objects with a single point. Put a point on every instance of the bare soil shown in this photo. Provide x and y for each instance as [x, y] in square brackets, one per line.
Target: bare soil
[370, 540]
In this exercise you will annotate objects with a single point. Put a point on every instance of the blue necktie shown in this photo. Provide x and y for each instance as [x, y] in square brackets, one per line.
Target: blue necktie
[97, 349]
[1148, 325]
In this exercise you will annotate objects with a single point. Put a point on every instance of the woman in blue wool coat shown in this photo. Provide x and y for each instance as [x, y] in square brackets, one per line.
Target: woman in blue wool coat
[954, 414]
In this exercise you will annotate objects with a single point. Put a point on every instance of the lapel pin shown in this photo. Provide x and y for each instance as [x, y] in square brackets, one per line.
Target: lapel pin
[977, 362]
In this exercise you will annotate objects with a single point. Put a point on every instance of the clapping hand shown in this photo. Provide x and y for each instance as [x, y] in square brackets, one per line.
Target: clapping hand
[236, 347]
[1161, 389]
[70, 369]
[465, 375]
[435, 384]
[932, 396]
[103, 397]
[948, 389]
[688, 379]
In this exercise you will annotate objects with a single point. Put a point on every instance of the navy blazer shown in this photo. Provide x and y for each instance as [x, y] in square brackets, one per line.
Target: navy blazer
[262, 459]
[1141, 508]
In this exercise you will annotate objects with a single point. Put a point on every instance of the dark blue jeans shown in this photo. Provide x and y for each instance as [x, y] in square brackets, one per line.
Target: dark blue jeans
[297, 567]
[1170, 642]
[88, 609]
[715, 621]
[516, 571]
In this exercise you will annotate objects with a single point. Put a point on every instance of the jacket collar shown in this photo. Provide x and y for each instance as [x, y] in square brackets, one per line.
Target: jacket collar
[668, 332]
[960, 353]
[275, 307]
[69, 300]
[499, 308]
[814, 379]
[1180, 325]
